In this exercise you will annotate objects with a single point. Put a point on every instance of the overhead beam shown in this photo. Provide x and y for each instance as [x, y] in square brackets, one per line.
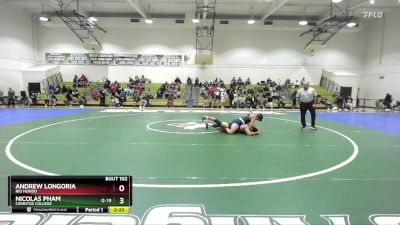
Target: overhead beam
[326, 15]
[136, 6]
[277, 6]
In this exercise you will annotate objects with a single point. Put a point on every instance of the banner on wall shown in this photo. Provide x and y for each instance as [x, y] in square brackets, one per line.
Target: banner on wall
[114, 59]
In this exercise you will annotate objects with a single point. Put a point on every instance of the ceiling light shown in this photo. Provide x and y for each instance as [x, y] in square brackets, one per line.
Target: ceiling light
[148, 21]
[303, 22]
[351, 24]
[44, 18]
[195, 20]
[251, 21]
[92, 19]
[372, 2]
[336, 1]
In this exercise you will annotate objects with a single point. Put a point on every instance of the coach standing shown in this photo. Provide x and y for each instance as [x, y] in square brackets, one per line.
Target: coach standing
[308, 98]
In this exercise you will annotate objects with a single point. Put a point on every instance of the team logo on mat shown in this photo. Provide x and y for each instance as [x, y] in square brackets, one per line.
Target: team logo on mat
[188, 125]
[182, 126]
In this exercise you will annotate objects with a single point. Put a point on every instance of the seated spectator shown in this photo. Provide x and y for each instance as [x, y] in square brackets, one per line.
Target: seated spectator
[327, 104]
[114, 86]
[240, 82]
[122, 97]
[143, 103]
[233, 82]
[144, 80]
[68, 99]
[148, 94]
[115, 102]
[136, 97]
[53, 100]
[57, 90]
[51, 89]
[33, 98]
[139, 89]
[339, 101]
[159, 93]
[64, 89]
[170, 102]
[96, 94]
[388, 101]
[178, 81]
[280, 102]
[82, 100]
[348, 103]
[75, 93]
[248, 81]
[107, 84]
[83, 81]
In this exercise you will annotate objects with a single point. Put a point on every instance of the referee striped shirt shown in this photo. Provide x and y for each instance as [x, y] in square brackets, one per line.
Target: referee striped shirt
[306, 96]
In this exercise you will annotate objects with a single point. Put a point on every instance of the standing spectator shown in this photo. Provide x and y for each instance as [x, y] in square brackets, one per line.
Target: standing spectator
[308, 99]
[103, 98]
[11, 97]
[75, 82]
[2, 97]
[293, 98]
[189, 81]
[196, 81]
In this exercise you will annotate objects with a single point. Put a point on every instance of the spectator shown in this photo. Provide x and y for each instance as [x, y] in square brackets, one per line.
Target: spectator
[327, 104]
[57, 90]
[82, 101]
[170, 102]
[387, 101]
[248, 81]
[33, 98]
[103, 98]
[11, 97]
[280, 100]
[293, 98]
[189, 81]
[75, 82]
[64, 89]
[53, 100]
[302, 81]
[107, 84]
[159, 93]
[2, 97]
[178, 81]
[143, 103]
[348, 103]
[196, 82]
[75, 93]
[68, 99]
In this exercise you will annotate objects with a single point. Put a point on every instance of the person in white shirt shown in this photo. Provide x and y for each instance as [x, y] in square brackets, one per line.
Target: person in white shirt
[308, 99]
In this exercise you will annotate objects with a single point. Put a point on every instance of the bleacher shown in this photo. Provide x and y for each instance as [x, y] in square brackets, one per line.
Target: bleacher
[191, 94]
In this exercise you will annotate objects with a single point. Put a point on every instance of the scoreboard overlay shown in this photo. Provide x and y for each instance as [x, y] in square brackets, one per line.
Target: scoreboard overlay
[75, 194]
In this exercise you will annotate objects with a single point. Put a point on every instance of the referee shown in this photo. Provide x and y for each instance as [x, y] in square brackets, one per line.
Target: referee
[308, 98]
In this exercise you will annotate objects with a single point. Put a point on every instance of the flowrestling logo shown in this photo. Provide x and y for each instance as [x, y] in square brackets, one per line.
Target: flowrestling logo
[182, 215]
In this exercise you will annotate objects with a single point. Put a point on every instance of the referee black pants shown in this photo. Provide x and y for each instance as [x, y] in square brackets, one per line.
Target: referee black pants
[303, 109]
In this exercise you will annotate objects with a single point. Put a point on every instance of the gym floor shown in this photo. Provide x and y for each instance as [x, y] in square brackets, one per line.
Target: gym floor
[349, 166]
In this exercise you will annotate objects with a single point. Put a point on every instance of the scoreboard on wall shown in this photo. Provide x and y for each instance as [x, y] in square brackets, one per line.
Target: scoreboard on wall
[75, 194]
